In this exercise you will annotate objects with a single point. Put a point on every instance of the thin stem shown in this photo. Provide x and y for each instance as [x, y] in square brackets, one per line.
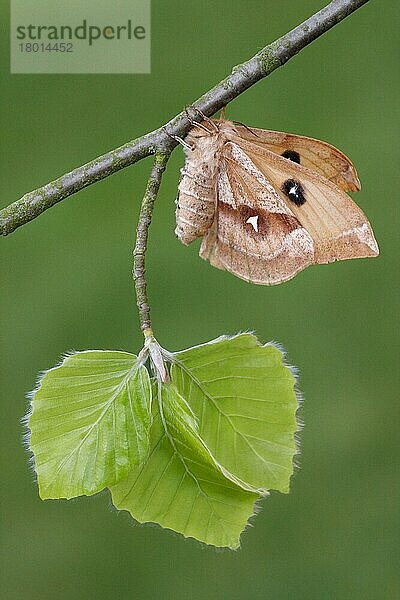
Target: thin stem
[242, 77]
[139, 253]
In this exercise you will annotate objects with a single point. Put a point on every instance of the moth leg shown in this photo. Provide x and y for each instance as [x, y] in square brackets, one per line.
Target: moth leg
[200, 112]
[195, 123]
[178, 139]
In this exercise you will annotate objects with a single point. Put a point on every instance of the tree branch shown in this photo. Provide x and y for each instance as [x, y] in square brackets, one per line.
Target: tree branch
[243, 76]
[139, 253]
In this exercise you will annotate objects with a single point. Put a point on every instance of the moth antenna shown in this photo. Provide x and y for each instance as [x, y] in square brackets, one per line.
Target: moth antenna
[195, 123]
[178, 139]
[222, 113]
[245, 126]
[200, 112]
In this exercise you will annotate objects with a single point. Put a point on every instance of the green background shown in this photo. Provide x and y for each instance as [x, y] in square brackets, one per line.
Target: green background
[65, 284]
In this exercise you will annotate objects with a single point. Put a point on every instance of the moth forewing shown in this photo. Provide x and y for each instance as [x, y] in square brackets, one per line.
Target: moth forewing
[254, 235]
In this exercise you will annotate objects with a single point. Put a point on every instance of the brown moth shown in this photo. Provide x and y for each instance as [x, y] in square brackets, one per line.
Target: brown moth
[268, 204]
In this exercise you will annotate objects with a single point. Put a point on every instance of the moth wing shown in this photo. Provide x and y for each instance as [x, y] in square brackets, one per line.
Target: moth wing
[316, 155]
[254, 235]
[338, 227]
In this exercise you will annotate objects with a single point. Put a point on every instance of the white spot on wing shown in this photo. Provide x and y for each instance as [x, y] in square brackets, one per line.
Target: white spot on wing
[253, 221]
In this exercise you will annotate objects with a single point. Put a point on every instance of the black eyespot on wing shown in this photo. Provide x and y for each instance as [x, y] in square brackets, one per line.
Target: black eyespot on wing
[292, 155]
[294, 191]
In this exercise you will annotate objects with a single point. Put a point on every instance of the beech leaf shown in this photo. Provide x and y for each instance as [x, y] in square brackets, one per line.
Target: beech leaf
[222, 436]
[181, 486]
[244, 397]
[89, 423]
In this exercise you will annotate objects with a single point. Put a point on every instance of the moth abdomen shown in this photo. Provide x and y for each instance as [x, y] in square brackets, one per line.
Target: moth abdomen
[194, 216]
[197, 189]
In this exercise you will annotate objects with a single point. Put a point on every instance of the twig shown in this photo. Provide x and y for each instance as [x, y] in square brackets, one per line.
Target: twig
[139, 269]
[242, 77]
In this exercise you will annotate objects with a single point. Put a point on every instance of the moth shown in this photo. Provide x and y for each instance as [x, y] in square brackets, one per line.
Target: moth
[267, 203]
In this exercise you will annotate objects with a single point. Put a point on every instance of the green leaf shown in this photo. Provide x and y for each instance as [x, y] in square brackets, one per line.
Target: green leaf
[220, 436]
[90, 422]
[181, 486]
[244, 398]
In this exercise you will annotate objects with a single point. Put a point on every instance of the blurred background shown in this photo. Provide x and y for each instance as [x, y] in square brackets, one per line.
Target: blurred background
[66, 284]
